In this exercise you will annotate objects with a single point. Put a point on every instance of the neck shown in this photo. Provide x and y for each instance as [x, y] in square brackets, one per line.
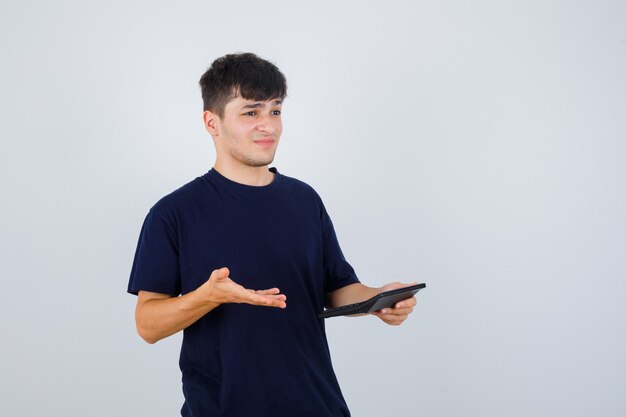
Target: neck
[243, 174]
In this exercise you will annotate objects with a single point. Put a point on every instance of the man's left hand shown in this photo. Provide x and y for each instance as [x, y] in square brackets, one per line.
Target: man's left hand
[396, 315]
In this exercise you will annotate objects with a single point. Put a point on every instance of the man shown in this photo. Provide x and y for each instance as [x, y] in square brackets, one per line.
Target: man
[218, 258]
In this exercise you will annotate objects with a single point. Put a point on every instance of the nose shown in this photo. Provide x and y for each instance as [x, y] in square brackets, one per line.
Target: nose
[268, 124]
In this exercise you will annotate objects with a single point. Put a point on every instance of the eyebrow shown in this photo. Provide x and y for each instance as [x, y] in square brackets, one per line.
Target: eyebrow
[260, 105]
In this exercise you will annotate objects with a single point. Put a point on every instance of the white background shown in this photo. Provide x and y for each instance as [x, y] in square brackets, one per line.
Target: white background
[475, 146]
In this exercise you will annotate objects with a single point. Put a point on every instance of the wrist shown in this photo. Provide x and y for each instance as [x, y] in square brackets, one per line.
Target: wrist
[200, 298]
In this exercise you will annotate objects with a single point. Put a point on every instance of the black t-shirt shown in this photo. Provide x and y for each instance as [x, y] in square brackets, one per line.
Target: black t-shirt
[241, 359]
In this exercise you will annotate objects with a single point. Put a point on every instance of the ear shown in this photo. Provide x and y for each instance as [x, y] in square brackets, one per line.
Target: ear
[211, 122]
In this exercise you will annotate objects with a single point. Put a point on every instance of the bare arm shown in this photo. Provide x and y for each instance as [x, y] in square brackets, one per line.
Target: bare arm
[357, 292]
[350, 294]
[160, 315]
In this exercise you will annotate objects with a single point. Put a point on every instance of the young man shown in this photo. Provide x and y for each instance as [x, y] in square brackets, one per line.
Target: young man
[218, 258]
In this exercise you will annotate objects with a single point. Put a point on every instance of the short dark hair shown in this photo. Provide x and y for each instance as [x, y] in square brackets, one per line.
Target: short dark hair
[240, 74]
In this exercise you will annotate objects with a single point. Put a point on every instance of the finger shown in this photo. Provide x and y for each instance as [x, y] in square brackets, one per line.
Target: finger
[282, 297]
[394, 314]
[277, 300]
[409, 302]
[278, 297]
[401, 285]
[270, 291]
[221, 273]
[392, 320]
[396, 285]
[396, 311]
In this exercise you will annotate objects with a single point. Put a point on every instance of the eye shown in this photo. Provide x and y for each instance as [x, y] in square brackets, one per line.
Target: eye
[276, 112]
[250, 113]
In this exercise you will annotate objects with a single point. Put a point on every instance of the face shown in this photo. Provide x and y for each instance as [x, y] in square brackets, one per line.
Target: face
[249, 131]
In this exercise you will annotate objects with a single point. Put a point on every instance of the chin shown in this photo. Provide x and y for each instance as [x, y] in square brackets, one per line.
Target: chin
[262, 161]
[258, 163]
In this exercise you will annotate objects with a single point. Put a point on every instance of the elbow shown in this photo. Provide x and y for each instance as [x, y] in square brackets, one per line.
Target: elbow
[149, 340]
[142, 330]
[146, 335]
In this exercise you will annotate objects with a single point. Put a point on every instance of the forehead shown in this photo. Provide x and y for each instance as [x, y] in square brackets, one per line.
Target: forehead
[239, 102]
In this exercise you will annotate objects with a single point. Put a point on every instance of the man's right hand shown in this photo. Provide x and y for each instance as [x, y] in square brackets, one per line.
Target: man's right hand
[161, 315]
[220, 289]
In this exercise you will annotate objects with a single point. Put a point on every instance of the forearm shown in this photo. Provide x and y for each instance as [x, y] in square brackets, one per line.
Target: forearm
[158, 318]
[160, 315]
[350, 294]
[354, 293]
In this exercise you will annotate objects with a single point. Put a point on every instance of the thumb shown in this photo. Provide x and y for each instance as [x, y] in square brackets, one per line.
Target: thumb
[221, 273]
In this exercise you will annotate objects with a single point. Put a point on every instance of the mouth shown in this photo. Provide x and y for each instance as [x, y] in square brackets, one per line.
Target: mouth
[265, 143]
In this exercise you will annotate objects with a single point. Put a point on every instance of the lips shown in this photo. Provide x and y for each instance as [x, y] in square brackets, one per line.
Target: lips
[265, 142]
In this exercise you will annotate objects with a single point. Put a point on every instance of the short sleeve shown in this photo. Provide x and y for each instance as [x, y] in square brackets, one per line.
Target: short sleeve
[337, 271]
[156, 266]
